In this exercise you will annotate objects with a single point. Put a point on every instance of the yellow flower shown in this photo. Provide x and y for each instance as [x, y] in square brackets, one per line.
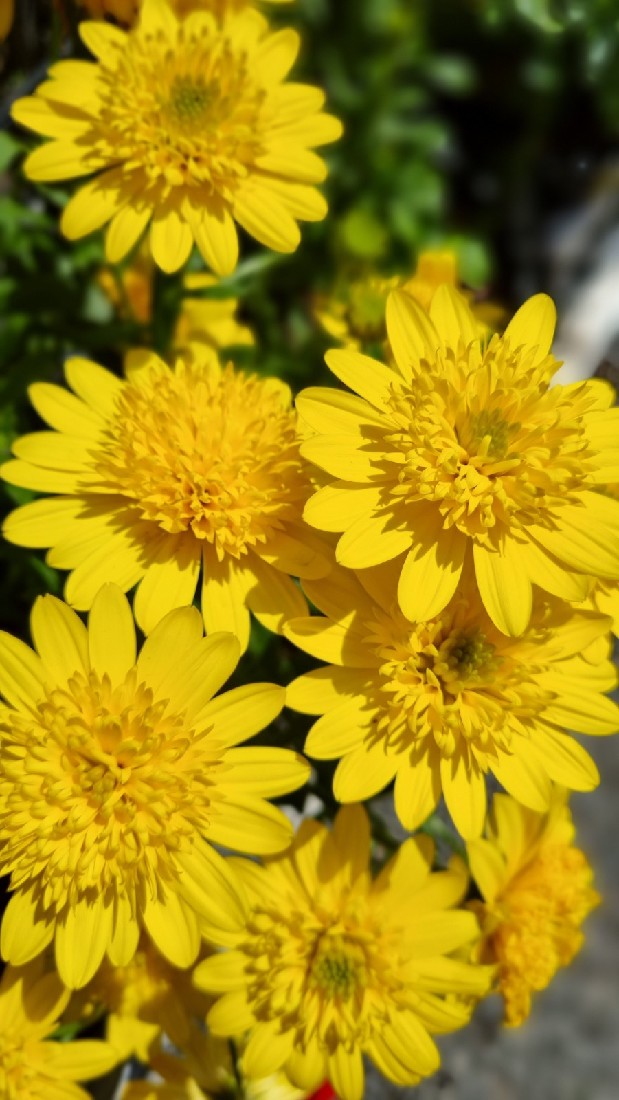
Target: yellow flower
[125, 11]
[465, 453]
[191, 128]
[141, 1000]
[130, 291]
[333, 965]
[209, 321]
[31, 1002]
[438, 704]
[604, 597]
[355, 313]
[168, 472]
[536, 889]
[116, 775]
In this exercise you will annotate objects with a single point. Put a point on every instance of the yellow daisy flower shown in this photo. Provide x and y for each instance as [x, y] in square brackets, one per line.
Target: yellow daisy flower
[31, 1002]
[437, 704]
[205, 134]
[464, 452]
[537, 890]
[333, 965]
[164, 475]
[209, 321]
[129, 770]
[140, 1001]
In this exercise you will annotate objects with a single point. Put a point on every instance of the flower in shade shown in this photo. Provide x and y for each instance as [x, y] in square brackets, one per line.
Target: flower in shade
[167, 475]
[140, 1001]
[116, 775]
[354, 314]
[205, 135]
[31, 1002]
[333, 964]
[537, 890]
[437, 704]
[464, 453]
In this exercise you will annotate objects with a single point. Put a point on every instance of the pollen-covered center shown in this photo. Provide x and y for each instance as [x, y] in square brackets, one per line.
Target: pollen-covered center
[190, 113]
[315, 968]
[541, 912]
[447, 680]
[210, 453]
[479, 435]
[115, 782]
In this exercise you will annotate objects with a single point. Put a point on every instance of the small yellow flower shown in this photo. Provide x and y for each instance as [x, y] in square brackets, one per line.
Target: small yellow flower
[465, 453]
[440, 703]
[209, 321]
[191, 129]
[355, 313]
[168, 473]
[117, 775]
[31, 1002]
[140, 1001]
[537, 890]
[333, 965]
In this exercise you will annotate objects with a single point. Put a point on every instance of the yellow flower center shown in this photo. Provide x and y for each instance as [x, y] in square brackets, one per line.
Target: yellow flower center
[214, 455]
[539, 916]
[318, 969]
[100, 787]
[450, 681]
[480, 435]
[190, 113]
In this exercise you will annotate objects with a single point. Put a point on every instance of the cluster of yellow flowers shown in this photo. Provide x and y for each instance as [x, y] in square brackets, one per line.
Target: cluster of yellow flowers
[452, 522]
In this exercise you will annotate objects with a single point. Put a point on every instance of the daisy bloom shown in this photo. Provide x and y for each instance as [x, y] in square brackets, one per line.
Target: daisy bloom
[206, 134]
[140, 1001]
[333, 965]
[116, 776]
[463, 452]
[437, 704]
[166, 475]
[537, 890]
[31, 1003]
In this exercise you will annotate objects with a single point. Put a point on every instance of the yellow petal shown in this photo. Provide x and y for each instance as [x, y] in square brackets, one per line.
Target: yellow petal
[533, 326]
[464, 788]
[363, 773]
[251, 824]
[82, 937]
[22, 675]
[523, 777]
[504, 588]
[373, 381]
[60, 638]
[111, 634]
[417, 791]
[565, 760]
[345, 1071]
[170, 581]
[79, 1060]
[42, 522]
[452, 317]
[261, 771]
[26, 930]
[171, 240]
[125, 229]
[264, 217]
[340, 731]
[429, 579]
[267, 1050]
[173, 926]
[97, 386]
[412, 335]
[231, 1015]
[224, 593]
[487, 868]
[65, 412]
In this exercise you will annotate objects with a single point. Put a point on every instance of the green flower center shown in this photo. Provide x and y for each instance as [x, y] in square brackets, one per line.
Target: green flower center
[492, 426]
[338, 968]
[188, 99]
[470, 653]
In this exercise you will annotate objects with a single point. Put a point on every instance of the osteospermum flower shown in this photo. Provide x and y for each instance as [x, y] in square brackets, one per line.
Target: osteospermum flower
[537, 890]
[205, 135]
[333, 965]
[463, 453]
[167, 473]
[116, 774]
[141, 1001]
[31, 1002]
[437, 704]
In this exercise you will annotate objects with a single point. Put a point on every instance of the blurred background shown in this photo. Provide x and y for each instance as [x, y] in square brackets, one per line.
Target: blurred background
[486, 127]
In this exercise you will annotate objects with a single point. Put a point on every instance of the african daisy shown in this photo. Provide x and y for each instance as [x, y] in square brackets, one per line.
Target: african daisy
[464, 452]
[537, 890]
[205, 134]
[168, 475]
[333, 964]
[116, 774]
[437, 704]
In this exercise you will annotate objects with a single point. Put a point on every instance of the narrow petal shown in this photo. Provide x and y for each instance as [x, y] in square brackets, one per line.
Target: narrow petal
[242, 712]
[464, 788]
[60, 638]
[80, 1060]
[82, 937]
[565, 760]
[417, 791]
[340, 731]
[125, 229]
[337, 507]
[171, 240]
[411, 333]
[504, 587]
[264, 217]
[231, 1015]
[429, 580]
[252, 825]
[25, 931]
[212, 888]
[372, 540]
[170, 581]
[267, 1050]
[533, 326]
[41, 523]
[452, 317]
[173, 926]
[487, 868]
[440, 933]
[261, 771]
[363, 773]
[22, 675]
[111, 634]
[125, 933]
[370, 379]
[332, 642]
[524, 778]
[224, 595]
[346, 1072]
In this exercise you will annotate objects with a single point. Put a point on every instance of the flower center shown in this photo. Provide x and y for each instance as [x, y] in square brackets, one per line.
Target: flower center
[447, 680]
[480, 435]
[115, 782]
[210, 453]
[338, 969]
[190, 113]
[188, 100]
